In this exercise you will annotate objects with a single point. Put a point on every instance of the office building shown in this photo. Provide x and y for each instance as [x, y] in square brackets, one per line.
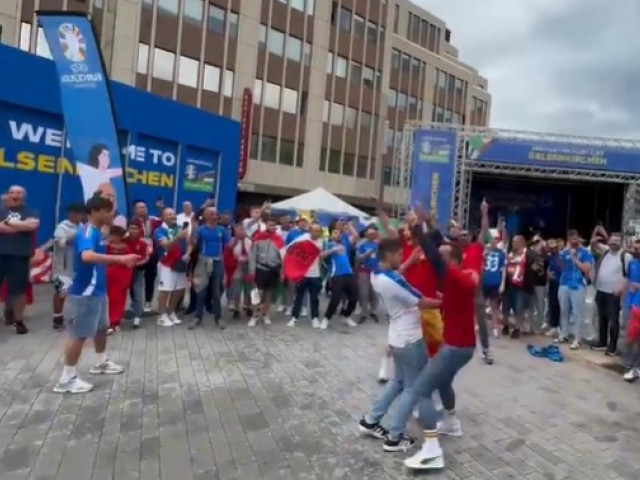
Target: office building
[333, 81]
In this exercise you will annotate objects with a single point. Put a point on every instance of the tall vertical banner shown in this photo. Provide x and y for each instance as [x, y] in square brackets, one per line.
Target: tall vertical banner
[86, 107]
[245, 132]
[433, 173]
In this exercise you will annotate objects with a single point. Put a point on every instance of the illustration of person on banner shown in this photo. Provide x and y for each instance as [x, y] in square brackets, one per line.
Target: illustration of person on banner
[96, 172]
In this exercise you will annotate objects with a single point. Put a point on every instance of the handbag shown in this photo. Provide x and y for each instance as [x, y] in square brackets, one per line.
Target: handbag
[179, 266]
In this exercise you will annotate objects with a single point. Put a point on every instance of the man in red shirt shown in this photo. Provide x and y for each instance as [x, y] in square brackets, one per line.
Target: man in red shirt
[458, 304]
[473, 260]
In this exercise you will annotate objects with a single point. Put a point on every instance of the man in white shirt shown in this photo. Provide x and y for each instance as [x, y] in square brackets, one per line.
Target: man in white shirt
[402, 303]
[186, 217]
[254, 223]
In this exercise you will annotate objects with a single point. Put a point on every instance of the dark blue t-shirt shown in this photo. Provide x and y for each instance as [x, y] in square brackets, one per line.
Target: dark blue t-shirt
[212, 240]
[340, 264]
[89, 279]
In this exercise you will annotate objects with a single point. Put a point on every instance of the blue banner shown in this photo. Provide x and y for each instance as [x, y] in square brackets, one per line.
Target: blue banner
[554, 155]
[434, 161]
[86, 107]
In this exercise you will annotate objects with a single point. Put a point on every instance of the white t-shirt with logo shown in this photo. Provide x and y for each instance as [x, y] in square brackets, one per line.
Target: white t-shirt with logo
[402, 307]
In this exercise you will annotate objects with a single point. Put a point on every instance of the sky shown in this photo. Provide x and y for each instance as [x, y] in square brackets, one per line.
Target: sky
[561, 66]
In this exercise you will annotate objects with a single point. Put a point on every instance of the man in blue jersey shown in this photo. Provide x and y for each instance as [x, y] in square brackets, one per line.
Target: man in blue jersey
[493, 279]
[631, 300]
[575, 263]
[343, 282]
[86, 306]
[212, 239]
[367, 263]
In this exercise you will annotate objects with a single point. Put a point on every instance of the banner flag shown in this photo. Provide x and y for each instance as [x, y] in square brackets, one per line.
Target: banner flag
[433, 172]
[86, 107]
[299, 256]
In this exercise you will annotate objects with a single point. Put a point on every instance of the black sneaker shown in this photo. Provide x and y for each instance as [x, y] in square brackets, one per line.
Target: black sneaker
[401, 444]
[362, 319]
[374, 430]
[505, 330]
[236, 315]
[58, 324]
[21, 328]
[375, 318]
[487, 357]
[515, 333]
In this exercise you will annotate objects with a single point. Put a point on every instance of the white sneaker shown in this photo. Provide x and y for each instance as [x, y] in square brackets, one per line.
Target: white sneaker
[75, 385]
[136, 322]
[315, 323]
[110, 331]
[174, 319]
[496, 333]
[324, 324]
[106, 368]
[575, 345]
[281, 309]
[552, 333]
[288, 311]
[304, 312]
[427, 458]
[292, 322]
[266, 320]
[450, 426]
[252, 322]
[164, 321]
[147, 307]
[349, 322]
[631, 375]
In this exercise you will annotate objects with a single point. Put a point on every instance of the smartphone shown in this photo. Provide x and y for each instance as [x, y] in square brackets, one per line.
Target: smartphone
[185, 225]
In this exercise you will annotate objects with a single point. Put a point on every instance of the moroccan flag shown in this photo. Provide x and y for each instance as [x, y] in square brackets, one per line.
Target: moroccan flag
[299, 256]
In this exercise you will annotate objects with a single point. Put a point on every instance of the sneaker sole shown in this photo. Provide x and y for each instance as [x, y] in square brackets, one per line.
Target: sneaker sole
[390, 449]
[106, 372]
[72, 392]
[368, 433]
[431, 464]
[450, 434]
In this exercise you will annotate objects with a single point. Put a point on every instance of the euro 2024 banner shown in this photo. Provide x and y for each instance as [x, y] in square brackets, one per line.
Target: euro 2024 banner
[87, 109]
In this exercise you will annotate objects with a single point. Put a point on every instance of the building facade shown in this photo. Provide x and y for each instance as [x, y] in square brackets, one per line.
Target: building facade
[333, 81]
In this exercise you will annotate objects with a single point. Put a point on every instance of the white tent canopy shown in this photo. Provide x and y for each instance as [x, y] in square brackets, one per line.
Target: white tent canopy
[323, 201]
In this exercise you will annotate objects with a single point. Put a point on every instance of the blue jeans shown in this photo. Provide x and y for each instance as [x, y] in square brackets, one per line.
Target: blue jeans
[137, 292]
[572, 304]
[438, 374]
[408, 361]
[210, 281]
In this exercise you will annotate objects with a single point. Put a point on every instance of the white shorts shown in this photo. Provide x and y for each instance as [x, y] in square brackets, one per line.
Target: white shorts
[170, 281]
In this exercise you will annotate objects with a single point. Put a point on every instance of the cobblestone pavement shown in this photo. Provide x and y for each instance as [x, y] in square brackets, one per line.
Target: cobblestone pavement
[282, 403]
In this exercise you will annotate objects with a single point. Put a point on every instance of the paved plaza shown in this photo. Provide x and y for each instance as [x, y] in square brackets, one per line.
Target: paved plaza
[281, 403]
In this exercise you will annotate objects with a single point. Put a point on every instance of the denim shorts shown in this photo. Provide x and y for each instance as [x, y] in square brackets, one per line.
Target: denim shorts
[86, 315]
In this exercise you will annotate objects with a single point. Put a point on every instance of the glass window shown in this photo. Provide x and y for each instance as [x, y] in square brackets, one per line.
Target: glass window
[372, 32]
[365, 120]
[262, 42]
[193, 11]
[168, 6]
[330, 63]
[442, 79]
[367, 76]
[356, 73]
[275, 40]
[348, 164]
[307, 53]
[323, 160]
[345, 19]
[100, 3]
[337, 114]
[415, 66]
[413, 104]
[25, 36]
[300, 155]
[439, 114]
[233, 25]
[372, 168]
[406, 62]
[228, 83]
[216, 19]
[392, 98]
[456, 118]
[188, 72]
[297, 4]
[390, 134]
[359, 26]
[448, 116]
[211, 78]
[386, 176]
[334, 161]
[378, 79]
[294, 48]
[325, 111]
[352, 117]
[42, 47]
[143, 58]
[269, 149]
[395, 59]
[310, 6]
[424, 31]
[163, 64]
[362, 167]
[287, 150]
[402, 101]
[289, 100]
[303, 103]
[257, 91]
[272, 96]
[341, 67]
[255, 146]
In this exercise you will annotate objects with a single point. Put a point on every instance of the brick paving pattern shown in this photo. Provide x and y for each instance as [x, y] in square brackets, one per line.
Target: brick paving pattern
[281, 403]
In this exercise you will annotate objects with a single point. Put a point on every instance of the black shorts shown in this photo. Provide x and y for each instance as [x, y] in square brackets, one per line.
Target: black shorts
[15, 271]
[489, 292]
[267, 280]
